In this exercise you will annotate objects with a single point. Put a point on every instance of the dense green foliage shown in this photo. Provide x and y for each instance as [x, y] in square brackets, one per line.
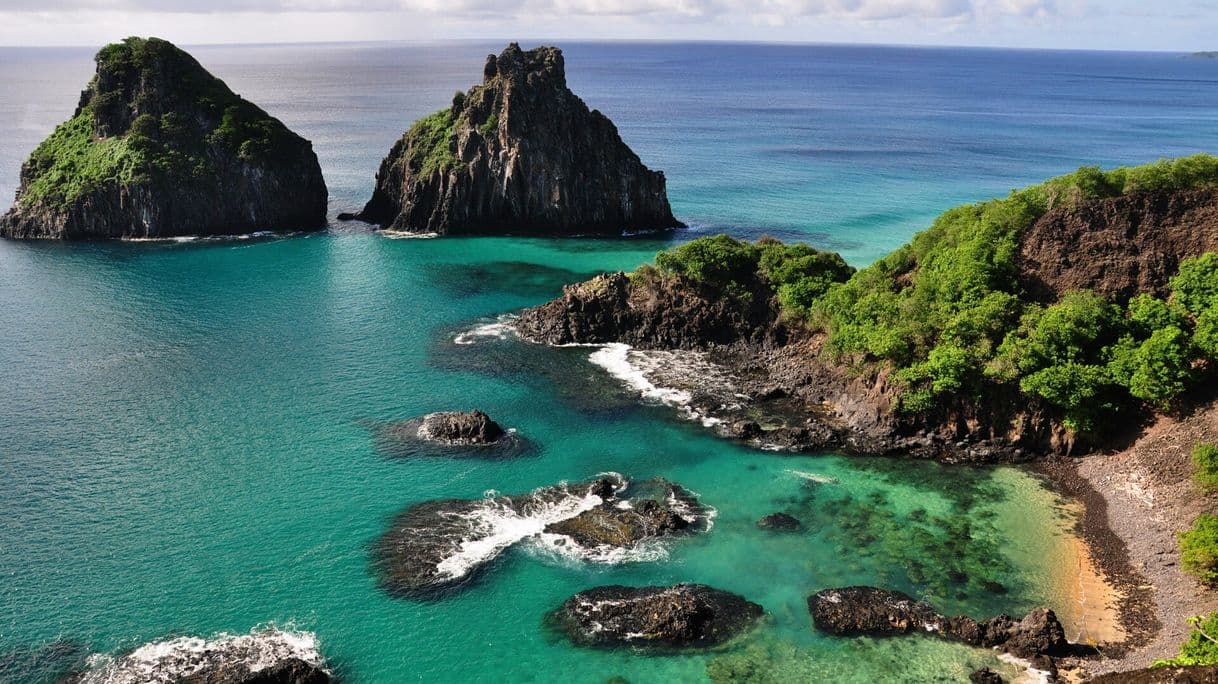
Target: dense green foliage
[947, 311]
[797, 273]
[1201, 648]
[1199, 549]
[1205, 460]
[153, 116]
[431, 142]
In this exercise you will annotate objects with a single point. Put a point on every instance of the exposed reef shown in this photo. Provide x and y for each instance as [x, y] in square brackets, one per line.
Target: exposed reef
[158, 147]
[680, 617]
[437, 546]
[518, 154]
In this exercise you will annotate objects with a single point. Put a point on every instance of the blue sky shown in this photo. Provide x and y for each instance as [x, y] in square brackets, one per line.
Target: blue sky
[1174, 25]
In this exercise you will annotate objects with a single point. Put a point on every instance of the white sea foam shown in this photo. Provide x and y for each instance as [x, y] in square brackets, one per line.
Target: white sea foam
[1029, 674]
[258, 234]
[502, 328]
[813, 477]
[407, 235]
[497, 526]
[164, 662]
[636, 368]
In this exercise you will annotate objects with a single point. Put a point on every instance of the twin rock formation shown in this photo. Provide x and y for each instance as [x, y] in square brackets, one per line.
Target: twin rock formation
[158, 147]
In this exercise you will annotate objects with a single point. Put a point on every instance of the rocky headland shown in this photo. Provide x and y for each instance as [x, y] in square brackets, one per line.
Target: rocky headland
[1011, 329]
[518, 154]
[158, 147]
[680, 617]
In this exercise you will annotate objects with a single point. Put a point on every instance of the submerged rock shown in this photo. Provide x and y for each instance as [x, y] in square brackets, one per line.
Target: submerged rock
[519, 153]
[780, 522]
[437, 546]
[678, 617]
[473, 427]
[158, 147]
[854, 611]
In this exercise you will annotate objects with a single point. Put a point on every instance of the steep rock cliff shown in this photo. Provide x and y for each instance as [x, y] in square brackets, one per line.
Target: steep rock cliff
[158, 147]
[519, 153]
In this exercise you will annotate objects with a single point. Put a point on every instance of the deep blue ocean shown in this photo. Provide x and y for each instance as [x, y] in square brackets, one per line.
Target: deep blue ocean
[186, 429]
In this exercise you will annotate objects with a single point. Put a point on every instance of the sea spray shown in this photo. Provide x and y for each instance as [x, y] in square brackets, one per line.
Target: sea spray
[171, 660]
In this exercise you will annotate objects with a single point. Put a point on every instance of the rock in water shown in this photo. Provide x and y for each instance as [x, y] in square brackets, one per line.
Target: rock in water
[852, 611]
[677, 617]
[158, 147]
[780, 522]
[519, 153]
[474, 427]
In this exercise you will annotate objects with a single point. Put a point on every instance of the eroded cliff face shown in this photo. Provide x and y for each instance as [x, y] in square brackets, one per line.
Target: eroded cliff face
[1117, 247]
[519, 153]
[158, 147]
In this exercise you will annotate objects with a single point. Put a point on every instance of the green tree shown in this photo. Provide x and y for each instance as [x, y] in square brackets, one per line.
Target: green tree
[1205, 460]
[1201, 647]
[1199, 549]
[1196, 284]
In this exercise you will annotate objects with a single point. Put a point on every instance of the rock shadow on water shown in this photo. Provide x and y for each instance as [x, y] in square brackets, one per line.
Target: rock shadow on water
[521, 278]
[436, 548]
[62, 660]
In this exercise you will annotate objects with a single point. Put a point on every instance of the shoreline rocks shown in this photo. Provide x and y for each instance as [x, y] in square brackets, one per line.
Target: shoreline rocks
[679, 617]
[517, 154]
[158, 147]
[857, 611]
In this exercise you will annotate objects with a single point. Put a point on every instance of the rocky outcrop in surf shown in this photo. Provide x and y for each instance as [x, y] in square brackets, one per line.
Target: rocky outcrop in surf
[473, 427]
[436, 546]
[857, 611]
[680, 617]
[519, 153]
[267, 656]
[780, 522]
[158, 147]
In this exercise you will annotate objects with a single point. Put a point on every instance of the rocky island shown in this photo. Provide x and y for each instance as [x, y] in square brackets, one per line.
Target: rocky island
[158, 147]
[1046, 322]
[518, 154]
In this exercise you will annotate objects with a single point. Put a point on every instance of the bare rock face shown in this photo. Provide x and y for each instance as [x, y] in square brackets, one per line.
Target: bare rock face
[683, 616]
[158, 147]
[519, 153]
[855, 611]
[1118, 247]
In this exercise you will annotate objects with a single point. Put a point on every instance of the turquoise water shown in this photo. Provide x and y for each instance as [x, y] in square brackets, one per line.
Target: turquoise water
[184, 428]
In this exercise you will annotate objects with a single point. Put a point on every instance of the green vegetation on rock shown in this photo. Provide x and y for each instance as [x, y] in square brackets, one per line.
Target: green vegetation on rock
[431, 142]
[1199, 549]
[1205, 460]
[151, 113]
[797, 273]
[1201, 647]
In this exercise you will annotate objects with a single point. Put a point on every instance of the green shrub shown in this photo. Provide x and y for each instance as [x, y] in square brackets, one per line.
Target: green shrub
[1201, 648]
[1205, 460]
[1196, 283]
[432, 141]
[1205, 334]
[1199, 549]
[1161, 367]
[720, 261]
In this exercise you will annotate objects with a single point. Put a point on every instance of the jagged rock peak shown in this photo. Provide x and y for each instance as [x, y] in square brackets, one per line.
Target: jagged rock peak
[159, 147]
[518, 153]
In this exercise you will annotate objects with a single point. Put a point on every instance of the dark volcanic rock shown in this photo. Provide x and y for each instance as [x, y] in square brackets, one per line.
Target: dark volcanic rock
[683, 616]
[474, 427]
[780, 522]
[655, 508]
[853, 611]
[158, 147]
[437, 546]
[519, 153]
[985, 676]
[290, 671]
